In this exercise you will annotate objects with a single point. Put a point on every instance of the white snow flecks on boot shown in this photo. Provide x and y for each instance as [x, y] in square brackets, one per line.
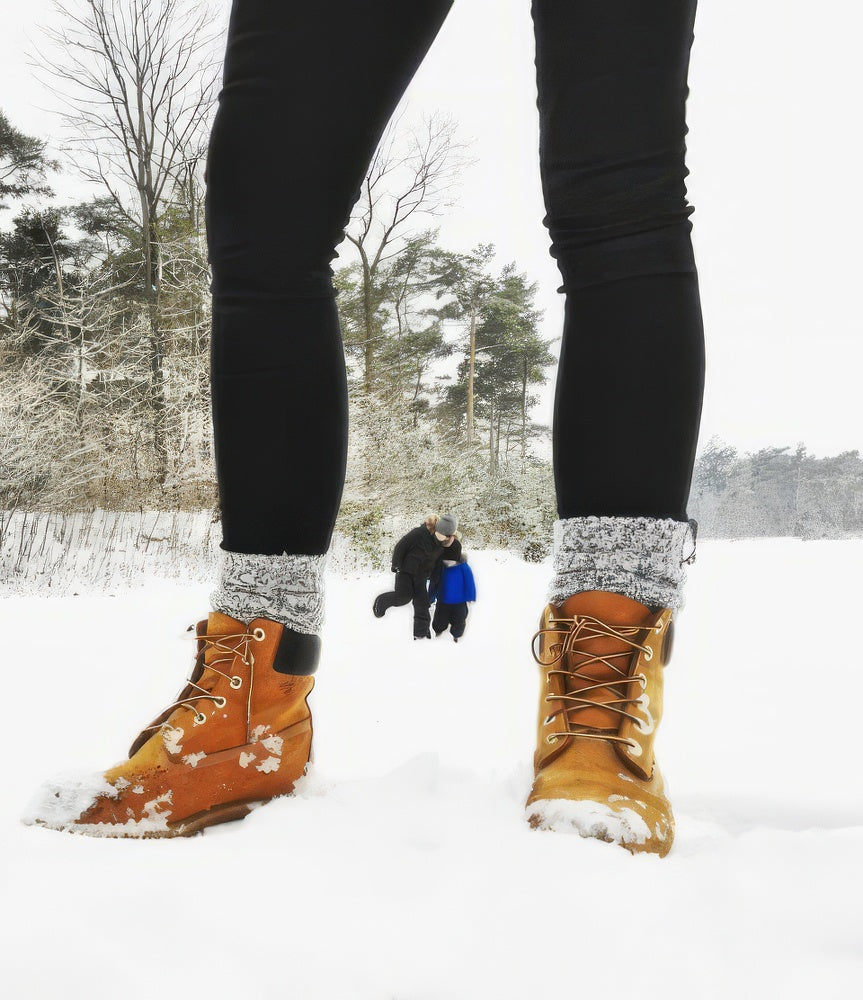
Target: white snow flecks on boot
[286, 588]
[643, 558]
[590, 819]
[62, 800]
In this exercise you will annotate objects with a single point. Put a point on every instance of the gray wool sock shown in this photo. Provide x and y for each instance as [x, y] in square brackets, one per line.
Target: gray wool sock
[644, 558]
[285, 588]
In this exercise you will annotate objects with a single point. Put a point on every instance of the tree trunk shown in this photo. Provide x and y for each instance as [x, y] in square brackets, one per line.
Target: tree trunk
[61, 291]
[79, 406]
[470, 375]
[157, 382]
[368, 319]
[157, 346]
[491, 441]
[417, 387]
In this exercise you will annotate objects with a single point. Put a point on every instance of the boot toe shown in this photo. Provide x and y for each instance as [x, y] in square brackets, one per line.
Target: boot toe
[588, 793]
[92, 805]
[71, 800]
[622, 823]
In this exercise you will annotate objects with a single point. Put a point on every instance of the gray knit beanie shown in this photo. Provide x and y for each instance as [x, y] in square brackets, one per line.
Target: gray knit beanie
[446, 524]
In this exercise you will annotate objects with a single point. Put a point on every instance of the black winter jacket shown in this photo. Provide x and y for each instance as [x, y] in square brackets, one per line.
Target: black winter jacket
[421, 554]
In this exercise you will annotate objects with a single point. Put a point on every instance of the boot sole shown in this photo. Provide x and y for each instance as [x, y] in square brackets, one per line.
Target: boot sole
[228, 812]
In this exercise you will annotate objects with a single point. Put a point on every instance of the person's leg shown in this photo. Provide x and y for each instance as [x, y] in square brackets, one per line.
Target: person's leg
[611, 92]
[458, 618]
[440, 621]
[422, 609]
[308, 89]
[401, 594]
[612, 87]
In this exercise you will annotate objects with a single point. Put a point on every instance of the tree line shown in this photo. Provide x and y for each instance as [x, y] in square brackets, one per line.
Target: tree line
[776, 491]
[105, 306]
[105, 321]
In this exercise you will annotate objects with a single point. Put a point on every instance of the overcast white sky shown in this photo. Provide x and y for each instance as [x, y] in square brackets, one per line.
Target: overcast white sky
[774, 155]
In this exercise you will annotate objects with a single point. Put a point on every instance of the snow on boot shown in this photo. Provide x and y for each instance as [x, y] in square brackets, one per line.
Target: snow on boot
[601, 657]
[238, 735]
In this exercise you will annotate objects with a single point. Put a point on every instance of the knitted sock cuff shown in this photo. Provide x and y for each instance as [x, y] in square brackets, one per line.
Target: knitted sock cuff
[643, 558]
[285, 588]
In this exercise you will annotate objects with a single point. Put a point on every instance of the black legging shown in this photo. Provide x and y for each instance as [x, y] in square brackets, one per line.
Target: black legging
[308, 90]
[409, 588]
[450, 616]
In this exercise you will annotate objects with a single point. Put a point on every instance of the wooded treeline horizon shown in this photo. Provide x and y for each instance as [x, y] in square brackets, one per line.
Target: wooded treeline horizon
[105, 321]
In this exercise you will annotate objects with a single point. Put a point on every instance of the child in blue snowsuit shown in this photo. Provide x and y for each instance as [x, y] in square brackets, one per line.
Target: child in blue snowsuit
[456, 588]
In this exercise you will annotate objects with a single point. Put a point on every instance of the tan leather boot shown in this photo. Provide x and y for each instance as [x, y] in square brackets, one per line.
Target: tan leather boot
[601, 658]
[238, 735]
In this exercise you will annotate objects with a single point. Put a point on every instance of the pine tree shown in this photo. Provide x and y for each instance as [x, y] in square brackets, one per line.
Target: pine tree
[23, 164]
[511, 357]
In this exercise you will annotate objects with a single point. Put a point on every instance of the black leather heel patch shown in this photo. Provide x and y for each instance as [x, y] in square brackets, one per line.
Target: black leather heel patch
[297, 654]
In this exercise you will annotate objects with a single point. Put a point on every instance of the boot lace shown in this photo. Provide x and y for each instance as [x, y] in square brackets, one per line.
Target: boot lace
[242, 649]
[582, 688]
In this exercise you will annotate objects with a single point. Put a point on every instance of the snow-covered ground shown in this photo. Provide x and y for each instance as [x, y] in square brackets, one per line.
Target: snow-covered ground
[404, 870]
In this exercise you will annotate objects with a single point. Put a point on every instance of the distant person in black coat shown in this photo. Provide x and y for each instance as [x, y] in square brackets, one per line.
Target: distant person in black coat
[417, 559]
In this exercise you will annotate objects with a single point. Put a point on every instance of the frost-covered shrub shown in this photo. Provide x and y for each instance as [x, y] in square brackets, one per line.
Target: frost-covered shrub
[359, 527]
[401, 468]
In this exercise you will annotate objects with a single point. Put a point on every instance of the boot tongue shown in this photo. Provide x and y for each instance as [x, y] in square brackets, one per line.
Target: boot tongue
[611, 609]
[222, 625]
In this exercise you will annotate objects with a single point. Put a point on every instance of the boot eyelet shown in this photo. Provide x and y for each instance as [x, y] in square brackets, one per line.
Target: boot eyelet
[642, 680]
[220, 702]
[236, 682]
[551, 738]
[259, 634]
[635, 747]
[657, 628]
[648, 654]
[200, 718]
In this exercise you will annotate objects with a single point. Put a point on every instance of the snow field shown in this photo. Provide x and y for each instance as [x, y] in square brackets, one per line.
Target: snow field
[403, 868]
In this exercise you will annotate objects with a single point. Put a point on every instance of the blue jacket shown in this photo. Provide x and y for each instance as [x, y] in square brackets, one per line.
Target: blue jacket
[456, 587]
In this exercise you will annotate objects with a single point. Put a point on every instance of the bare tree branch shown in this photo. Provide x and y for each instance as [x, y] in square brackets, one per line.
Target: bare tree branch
[413, 173]
[135, 83]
